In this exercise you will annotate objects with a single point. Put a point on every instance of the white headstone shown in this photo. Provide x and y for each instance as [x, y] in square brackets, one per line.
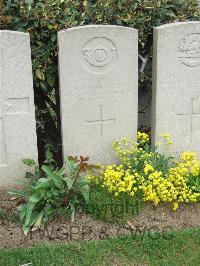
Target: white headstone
[176, 85]
[17, 113]
[99, 88]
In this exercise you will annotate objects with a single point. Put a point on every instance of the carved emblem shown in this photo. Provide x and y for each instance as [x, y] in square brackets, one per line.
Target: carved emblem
[99, 53]
[189, 50]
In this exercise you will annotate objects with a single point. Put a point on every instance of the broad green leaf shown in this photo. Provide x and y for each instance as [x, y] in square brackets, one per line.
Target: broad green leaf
[61, 172]
[48, 171]
[35, 197]
[30, 206]
[38, 219]
[26, 229]
[85, 192]
[22, 209]
[42, 183]
[57, 181]
[32, 220]
[71, 166]
[69, 182]
[82, 182]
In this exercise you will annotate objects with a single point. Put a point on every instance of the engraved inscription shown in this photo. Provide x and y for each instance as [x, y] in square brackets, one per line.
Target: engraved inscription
[101, 90]
[189, 50]
[101, 121]
[99, 54]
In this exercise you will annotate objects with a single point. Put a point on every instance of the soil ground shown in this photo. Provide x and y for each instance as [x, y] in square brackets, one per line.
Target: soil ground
[161, 220]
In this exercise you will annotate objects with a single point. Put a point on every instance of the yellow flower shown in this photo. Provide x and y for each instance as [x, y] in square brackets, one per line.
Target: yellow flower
[148, 168]
[175, 206]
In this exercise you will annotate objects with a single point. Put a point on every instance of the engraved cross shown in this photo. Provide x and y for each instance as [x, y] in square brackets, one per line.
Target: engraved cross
[11, 106]
[101, 120]
[194, 113]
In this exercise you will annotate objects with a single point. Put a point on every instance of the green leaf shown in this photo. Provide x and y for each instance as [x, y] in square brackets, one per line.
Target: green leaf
[39, 74]
[29, 162]
[30, 207]
[38, 220]
[24, 183]
[35, 197]
[26, 229]
[57, 181]
[198, 182]
[18, 193]
[22, 209]
[48, 171]
[42, 183]
[69, 182]
[85, 192]
[71, 166]
[82, 182]
[61, 172]
[51, 80]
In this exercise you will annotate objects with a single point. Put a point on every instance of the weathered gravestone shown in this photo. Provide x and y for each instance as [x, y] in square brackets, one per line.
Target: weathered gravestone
[176, 85]
[17, 113]
[98, 86]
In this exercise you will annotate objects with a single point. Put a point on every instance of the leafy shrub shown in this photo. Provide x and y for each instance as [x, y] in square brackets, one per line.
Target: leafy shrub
[146, 175]
[42, 19]
[59, 188]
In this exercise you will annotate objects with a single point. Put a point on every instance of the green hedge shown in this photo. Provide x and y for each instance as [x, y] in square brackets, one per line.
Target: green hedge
[42, 19]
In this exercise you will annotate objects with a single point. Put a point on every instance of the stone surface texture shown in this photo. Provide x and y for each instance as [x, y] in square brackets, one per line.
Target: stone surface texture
[17, 112]
[98, 68]
[176, 85]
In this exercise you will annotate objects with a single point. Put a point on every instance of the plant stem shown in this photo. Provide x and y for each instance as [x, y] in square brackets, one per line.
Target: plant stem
[71, 191]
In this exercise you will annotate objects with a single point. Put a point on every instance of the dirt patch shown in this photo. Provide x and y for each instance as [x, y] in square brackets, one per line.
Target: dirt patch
[151, 219]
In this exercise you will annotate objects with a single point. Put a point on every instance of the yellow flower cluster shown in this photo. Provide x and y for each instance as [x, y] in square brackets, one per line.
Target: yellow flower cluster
[144, 173]
[142, 138]
[171, 187]
[117, 180]
[124, 150]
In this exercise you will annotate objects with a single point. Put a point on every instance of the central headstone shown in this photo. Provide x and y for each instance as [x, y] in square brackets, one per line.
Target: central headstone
[98, 68]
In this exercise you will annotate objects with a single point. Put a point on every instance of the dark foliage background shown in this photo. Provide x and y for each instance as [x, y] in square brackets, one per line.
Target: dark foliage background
[43, 18]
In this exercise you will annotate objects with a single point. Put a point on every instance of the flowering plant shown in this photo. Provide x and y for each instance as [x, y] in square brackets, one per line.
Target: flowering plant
[148, 175]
